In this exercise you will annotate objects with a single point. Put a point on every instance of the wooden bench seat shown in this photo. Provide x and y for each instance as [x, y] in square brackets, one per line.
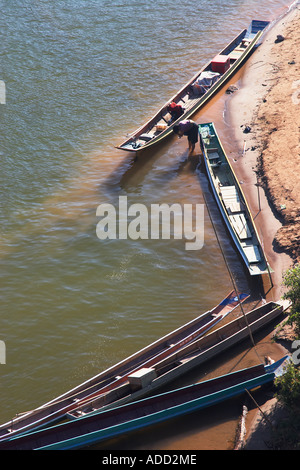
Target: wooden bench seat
[234, 55]
[240, 225]
[252, 253]
[231, 199]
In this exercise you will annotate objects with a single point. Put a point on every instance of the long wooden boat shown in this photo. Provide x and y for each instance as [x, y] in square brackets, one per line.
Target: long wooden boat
[199, 89]
[171, 367]
[231, 201]
[111, 384]
[103, 425]
[189, 357]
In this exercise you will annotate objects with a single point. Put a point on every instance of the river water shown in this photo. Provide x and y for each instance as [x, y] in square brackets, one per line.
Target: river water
[79, 76]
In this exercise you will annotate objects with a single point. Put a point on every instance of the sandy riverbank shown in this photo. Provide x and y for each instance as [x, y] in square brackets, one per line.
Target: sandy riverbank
[268, 104]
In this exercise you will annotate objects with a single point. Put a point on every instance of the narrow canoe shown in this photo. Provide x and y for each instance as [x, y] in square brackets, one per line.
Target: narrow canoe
[199, 90]
[189, 357]
[231, 201]
[100, 426]
[111, 384]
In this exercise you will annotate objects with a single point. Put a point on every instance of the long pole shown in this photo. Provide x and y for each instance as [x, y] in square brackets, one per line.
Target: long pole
[263, 414]
[258, 195]
[229, 271]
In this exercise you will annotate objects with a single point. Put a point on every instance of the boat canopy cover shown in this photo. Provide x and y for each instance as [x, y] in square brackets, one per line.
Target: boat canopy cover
[204, 81]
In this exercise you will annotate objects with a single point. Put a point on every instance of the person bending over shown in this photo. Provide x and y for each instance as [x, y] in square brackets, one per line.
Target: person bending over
[188, 128]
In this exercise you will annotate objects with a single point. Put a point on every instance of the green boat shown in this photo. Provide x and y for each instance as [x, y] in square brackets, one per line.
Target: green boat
[231, 201]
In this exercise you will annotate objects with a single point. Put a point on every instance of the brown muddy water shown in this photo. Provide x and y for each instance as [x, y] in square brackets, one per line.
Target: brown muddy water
[77, 81]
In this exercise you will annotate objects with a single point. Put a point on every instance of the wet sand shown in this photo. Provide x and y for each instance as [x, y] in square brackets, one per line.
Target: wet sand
[267, 103]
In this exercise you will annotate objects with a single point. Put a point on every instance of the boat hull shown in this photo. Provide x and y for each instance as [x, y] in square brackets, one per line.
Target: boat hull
[135, 143]
[231, 201]
[201, 351]
[112, 385]
[100, 426]
[191, 356]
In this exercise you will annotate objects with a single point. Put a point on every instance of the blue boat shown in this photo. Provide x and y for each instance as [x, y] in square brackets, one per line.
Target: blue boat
[112, 384]
[100, 426]
[231, 201]
[192, 355]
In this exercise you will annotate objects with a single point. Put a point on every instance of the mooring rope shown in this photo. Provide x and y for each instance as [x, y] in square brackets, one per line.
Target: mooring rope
[230, 274]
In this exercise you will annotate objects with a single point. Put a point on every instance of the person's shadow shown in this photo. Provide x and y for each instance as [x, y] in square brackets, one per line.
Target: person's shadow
[190, 163]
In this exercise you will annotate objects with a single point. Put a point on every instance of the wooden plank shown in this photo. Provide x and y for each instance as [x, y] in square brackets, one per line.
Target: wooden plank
[252, 253]
[234, 207]
[213, 156]
[240, 225]
[231, 199]
[229, 190]
[234, 55]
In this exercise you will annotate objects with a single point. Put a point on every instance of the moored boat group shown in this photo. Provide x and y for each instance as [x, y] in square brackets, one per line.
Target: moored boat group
[121, 399]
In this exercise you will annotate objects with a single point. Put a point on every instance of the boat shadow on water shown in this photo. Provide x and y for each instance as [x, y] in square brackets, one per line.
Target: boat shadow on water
[188, 163]
[137, 168]
[131, 173]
